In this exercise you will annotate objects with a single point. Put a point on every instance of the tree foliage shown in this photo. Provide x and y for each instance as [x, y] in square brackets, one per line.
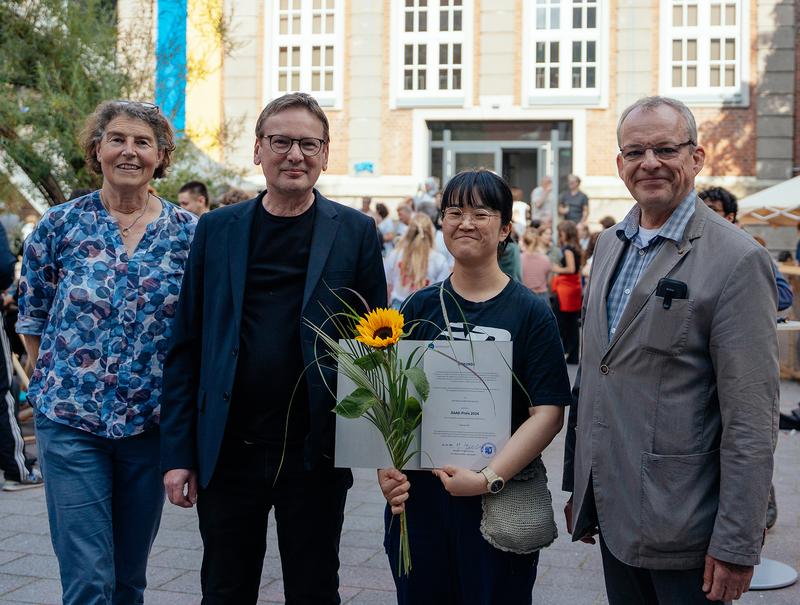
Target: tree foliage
[58, 60]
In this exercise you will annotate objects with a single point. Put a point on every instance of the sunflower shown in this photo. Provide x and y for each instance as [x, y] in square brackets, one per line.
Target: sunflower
[380, 328]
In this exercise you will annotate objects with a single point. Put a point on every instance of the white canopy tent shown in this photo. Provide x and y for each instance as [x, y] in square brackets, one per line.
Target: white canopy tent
[778, 205]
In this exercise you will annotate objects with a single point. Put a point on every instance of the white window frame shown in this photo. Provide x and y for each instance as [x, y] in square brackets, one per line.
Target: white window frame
[705, 94]
[565, 35]
[305, 40]
[431, 95]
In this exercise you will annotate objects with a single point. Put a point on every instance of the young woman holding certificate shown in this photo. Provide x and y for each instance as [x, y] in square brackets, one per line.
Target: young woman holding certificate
[452, 562]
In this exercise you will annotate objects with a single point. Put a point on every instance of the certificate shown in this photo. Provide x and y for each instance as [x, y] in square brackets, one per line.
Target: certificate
[467, 417]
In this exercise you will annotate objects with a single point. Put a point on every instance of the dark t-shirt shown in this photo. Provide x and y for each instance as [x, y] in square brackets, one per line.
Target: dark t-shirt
[270, 357]
[575, 253]
[515, 314]
[575, 204]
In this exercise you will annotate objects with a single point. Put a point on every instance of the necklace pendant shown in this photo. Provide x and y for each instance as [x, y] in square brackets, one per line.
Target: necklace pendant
[125, 231]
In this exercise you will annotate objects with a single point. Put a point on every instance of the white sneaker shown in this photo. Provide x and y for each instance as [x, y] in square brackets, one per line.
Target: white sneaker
[34, 479]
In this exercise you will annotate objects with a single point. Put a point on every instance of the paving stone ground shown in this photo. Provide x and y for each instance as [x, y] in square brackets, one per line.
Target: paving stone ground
[568, 573]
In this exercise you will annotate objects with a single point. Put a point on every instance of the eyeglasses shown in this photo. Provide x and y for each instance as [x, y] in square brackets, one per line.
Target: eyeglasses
[142, 104]
[309, 146]
[636, 153]
[456, 216]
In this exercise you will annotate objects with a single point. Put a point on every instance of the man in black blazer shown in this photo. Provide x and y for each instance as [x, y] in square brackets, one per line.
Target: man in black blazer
[246, 419]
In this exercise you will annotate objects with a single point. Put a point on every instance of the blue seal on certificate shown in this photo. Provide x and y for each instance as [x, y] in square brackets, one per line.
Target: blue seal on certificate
[488, 450]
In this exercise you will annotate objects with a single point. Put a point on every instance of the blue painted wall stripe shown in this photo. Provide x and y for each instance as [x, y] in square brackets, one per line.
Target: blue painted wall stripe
[171, 61]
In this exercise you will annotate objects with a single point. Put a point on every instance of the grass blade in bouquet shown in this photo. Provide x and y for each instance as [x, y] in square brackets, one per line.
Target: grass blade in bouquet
[382, 379]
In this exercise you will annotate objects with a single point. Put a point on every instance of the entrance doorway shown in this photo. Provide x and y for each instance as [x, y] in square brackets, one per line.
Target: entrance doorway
[520, 151]
[521, 169]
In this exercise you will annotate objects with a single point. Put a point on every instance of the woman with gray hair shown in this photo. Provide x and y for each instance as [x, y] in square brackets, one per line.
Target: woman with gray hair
[99, 286]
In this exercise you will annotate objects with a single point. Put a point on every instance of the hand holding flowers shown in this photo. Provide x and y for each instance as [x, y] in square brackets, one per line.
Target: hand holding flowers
[383, 394]
[395, 487]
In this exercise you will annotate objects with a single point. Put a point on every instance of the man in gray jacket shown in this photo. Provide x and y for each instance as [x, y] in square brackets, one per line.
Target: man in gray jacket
[669, 450]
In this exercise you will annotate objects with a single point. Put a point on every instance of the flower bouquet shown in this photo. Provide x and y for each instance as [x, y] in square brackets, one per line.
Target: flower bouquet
[382, 380]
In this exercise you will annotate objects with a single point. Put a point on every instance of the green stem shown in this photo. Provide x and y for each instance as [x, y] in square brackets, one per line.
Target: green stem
[404, 560]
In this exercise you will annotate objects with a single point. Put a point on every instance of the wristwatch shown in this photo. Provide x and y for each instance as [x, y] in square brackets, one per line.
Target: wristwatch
[494, 482]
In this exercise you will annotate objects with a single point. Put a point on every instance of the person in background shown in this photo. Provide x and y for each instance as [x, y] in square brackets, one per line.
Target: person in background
[724, 203]
[100, 281]
[510, 258]
[430, 201]
[721, 201]
[193, 196]
[366, 208]
[81, 191]
[584, 235]
[234, 195]
[553, 252]
[573, 205]
[414, 263]
[28, 226]
[521, 212]
[607, 222]
[404, 213]
[439, 237]
[567, 289]
[18, 469]
[542, 200]
[430, 210]
[535, 264]
[588, 257]
[797, 250]
[386, 228]
[427, 191]
[366, 203]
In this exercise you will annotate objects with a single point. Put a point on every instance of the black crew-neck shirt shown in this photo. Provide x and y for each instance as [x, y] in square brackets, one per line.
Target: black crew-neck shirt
[270, 358]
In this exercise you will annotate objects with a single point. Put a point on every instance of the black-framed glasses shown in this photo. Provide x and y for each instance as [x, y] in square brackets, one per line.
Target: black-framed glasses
[636, 153]
[456, 216]
[309, 146]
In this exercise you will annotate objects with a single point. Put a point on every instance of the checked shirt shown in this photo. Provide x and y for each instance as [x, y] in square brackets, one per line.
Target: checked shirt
[637, 257]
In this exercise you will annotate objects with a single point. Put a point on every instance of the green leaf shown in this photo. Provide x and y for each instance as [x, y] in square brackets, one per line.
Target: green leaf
[355, 404]
[412, 414]
[419, 380]
[370, 361]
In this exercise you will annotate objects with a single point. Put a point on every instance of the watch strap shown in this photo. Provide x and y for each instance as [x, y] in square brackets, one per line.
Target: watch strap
[491, 477]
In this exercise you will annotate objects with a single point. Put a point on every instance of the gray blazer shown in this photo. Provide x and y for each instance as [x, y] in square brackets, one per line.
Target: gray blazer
[677, 416]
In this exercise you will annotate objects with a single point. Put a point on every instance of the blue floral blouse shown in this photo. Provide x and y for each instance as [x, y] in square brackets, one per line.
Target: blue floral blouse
[104, 317]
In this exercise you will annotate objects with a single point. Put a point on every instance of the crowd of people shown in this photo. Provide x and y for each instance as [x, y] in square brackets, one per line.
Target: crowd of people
[415, 254]
[174, 356]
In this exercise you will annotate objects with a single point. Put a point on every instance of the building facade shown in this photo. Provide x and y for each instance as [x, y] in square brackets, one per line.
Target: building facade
[415, 88]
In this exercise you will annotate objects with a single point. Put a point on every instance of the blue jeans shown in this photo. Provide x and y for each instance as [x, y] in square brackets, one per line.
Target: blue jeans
[452, 564]
[104, 500]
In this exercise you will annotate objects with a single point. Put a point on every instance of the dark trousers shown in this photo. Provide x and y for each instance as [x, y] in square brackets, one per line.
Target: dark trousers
[451, 563]
[13, 461]
[627, 585]
[569, 331]
[233, 510]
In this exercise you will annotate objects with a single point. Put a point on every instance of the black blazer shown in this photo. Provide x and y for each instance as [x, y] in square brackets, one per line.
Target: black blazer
[200, 367]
